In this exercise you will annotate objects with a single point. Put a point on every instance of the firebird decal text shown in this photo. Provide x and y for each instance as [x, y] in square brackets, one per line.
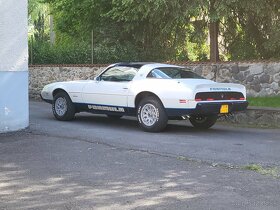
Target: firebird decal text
[106, 108]
[219, 89]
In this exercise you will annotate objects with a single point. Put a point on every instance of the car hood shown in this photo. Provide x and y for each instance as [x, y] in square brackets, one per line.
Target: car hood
[68, 85]
[75, 81]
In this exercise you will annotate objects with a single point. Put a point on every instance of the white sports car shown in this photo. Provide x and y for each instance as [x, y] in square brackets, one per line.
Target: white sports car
[153, 92]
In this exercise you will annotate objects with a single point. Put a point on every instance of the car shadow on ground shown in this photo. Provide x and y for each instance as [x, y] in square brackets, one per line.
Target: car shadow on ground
[131, 124]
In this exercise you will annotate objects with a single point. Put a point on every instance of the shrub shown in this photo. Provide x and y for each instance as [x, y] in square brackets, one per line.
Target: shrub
[65, 53]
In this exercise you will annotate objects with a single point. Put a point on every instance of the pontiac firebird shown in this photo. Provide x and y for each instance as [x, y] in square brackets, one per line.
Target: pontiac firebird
[152, 92]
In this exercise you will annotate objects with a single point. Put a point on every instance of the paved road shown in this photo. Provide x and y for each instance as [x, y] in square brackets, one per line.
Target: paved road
[96, 163]
[221, 144]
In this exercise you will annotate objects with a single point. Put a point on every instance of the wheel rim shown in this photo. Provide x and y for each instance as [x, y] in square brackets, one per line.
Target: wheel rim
[60, 106]
[149, 114]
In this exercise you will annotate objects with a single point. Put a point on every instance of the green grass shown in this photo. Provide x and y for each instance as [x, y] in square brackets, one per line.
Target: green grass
[272, 171]
[264, 101]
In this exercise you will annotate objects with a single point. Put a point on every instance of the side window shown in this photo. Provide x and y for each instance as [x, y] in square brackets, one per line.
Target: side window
[119, 74]
[157, 73]
[173, 73]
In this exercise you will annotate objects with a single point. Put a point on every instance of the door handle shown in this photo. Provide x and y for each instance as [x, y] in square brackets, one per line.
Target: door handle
[125, 88]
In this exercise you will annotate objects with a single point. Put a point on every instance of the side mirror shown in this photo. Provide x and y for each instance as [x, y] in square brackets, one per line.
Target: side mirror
[97, 79]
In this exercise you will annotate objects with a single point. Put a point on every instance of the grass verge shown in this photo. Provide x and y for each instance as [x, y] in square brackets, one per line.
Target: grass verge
[264, 101]
[271, 171]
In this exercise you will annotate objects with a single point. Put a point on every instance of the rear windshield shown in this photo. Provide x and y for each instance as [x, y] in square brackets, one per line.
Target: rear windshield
[173, 73]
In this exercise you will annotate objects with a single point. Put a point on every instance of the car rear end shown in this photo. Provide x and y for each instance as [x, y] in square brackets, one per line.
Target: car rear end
[219, 98]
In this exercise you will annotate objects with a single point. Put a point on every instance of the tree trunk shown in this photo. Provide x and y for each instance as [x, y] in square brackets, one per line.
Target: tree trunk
[214, 44]
[214, 33]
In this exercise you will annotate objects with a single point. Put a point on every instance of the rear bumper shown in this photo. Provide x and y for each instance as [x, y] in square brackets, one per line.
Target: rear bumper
[209, 108]
[214, 108]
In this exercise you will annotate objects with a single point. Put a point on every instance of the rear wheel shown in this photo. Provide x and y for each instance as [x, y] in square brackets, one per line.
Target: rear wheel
[151, 115]
[63, 108]
[203, 121]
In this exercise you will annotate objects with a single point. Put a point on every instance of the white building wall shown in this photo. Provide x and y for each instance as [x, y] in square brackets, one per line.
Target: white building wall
[14, 114]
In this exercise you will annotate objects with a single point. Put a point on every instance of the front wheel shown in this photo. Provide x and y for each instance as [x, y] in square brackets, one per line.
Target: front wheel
[151, 115]
[203, 121]
[62, 106]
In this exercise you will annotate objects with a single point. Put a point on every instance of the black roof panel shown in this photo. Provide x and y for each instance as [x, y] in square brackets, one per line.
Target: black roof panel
[137, 65]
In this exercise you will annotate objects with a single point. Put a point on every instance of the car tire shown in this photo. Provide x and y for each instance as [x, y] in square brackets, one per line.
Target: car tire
[151, 115]
[203, 121]
[63, 108]
[114, 117]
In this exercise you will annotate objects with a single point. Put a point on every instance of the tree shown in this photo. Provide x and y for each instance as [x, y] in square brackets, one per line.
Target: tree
[251, 29]
[156, 29]
[171, 30]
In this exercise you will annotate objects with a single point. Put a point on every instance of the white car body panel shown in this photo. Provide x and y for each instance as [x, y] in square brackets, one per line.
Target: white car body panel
[73, 88]
[171, 92]
[106, 93]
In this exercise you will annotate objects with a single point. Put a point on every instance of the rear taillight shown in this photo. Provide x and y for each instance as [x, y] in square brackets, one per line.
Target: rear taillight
[219, 96]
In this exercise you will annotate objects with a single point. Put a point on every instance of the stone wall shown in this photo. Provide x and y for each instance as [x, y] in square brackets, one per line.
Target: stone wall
[256, 117]
[39, 76]
[260, 79]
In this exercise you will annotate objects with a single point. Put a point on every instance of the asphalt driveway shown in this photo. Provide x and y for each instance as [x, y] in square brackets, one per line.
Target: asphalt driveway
[96, 163]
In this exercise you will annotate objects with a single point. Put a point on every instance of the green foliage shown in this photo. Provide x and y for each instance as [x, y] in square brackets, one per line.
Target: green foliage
[32, 6]
[39, 28]
[152, 30]
[115, 53]
[159, 30]
[69, 52]
[66, 53]
[270, 171]
[251, 29]
[35, 9]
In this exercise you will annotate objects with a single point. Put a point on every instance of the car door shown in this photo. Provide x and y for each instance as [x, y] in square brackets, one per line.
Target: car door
[111, 88]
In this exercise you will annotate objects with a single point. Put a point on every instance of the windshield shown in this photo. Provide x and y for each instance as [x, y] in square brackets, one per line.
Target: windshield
[173, 73]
